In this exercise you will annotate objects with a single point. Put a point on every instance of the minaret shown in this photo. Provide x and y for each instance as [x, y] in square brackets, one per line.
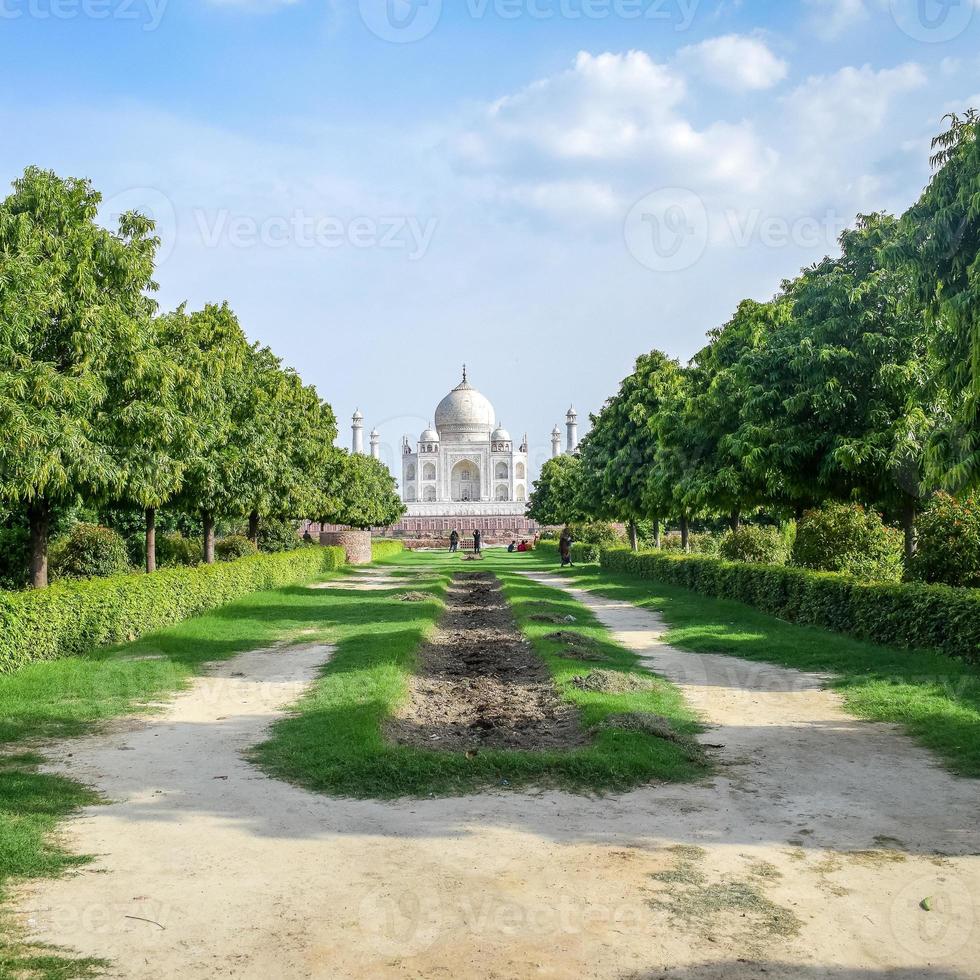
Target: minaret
[555, 442]
[376, 444]
[357, 431]
[572, 425]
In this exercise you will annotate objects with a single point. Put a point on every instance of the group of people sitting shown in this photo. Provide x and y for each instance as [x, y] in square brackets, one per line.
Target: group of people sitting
[522, 547]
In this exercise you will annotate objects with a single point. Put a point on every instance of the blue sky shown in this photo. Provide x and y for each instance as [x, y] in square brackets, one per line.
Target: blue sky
[540, 188]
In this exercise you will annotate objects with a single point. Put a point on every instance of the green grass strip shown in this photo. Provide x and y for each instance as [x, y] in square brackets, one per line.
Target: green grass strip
[334, 742]
[935, 698]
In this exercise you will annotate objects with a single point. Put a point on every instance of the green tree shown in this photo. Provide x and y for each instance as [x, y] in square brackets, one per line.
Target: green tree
[839, 401]
[721, 478]
[219, 360]
[620, 450]
[73, 304]
[941, 248]
[359, 491]
[555, 497]
[155, 430]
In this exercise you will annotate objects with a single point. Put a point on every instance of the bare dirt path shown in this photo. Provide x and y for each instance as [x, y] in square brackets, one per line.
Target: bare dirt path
[807, 857]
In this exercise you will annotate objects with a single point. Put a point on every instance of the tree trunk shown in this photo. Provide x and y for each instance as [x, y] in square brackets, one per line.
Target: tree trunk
[685, 534]
[656, 534]
[39, 517]
[253, 528]
[151, 540]
[735, 520]
[634, 536]
[208, 518]
[908, 524]
[798, 512]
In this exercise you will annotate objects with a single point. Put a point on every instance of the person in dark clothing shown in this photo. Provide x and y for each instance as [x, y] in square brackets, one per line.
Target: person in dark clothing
[307, 537]
[477, 542]
[512, 547]
[565, 547]
[454, 541]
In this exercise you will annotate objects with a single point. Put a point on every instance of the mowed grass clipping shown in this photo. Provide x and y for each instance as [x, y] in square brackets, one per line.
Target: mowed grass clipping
[334, 741]
[935, 698]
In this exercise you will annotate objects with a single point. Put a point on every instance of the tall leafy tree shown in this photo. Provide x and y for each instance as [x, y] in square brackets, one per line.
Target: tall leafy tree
[941, 248]
[154, 424]
[721, 479]
[556, 495]
[620, 450]
[220, 361]
[838, 402]
[73, 305]
[359, 491]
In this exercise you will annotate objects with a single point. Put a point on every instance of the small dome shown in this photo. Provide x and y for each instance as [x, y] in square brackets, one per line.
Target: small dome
[572, 414]
[375, 434]
[358, 417]
[500, 434]
[430, 435]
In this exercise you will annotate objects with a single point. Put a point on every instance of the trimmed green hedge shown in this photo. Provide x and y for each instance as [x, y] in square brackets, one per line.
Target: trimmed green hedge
[74, 618]
[383, 549]
[582, 554]
[906, 615]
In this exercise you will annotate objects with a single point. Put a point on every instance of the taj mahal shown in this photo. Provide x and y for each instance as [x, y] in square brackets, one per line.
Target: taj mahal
[465, 464]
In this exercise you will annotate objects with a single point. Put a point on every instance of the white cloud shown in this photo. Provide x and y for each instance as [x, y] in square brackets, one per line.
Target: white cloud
[736, 61]
[831, 18]
[612, 120]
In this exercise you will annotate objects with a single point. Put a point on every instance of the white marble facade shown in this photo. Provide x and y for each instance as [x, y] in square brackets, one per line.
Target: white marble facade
[465, 463]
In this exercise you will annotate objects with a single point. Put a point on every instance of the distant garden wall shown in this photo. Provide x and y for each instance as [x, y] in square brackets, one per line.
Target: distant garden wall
[74, 618]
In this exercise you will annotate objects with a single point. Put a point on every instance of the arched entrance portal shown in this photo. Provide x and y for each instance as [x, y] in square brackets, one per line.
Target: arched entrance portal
[466, 481]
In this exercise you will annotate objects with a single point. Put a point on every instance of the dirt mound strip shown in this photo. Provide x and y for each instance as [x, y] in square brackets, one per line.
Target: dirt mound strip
[479, 684]
[613, 682]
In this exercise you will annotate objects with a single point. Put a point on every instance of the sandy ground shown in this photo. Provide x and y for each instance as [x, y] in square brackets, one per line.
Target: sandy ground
[806, 857]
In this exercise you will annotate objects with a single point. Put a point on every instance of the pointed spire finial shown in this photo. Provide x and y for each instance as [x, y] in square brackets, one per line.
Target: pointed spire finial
[464, 374]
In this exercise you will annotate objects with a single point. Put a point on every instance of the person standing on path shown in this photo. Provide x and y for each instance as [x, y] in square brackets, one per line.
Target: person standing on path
[454, 541]
[565, 547]
[477, 542]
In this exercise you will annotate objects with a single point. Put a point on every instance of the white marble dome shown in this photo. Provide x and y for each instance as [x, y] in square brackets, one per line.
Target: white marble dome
[500, 434]
[430, 435]
[465, 412]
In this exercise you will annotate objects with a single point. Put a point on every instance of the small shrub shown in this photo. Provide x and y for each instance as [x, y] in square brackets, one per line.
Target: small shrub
[382, 550]
[176, 551]
[949, 542]
[850, 539]
[594, 532]
[704, 544]
[757, 545]
[89, 551]
[233, 547]
[276, 536]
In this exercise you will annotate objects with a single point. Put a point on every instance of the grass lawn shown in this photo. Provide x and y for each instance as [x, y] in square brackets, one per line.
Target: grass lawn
[936, 698]
[63, 698]
[334, 742]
